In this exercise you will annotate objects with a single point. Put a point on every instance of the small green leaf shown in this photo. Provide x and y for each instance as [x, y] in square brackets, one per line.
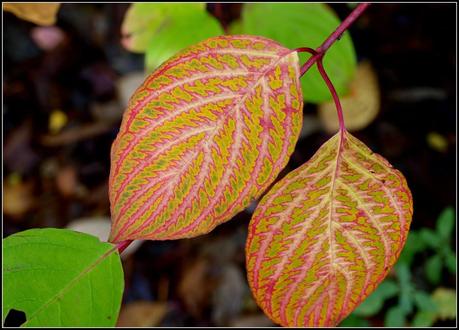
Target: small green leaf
[354, 321]
[373, 304]
[406, 287]
[434, 266]
[424, 319]
[195, 27]
[450, 262]
[424, 302]
[395, 317]
[445, 223]
[59, 277]
[414, 244]
[297, 25]
[163, 29]
[431, 238]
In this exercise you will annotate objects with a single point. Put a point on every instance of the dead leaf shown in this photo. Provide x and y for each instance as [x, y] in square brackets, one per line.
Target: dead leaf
[142, 314]
[17, 197]
[360, 106]
[196, 287]
[38, 13]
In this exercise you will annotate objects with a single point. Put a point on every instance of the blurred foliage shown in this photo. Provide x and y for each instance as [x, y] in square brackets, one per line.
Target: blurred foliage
[402, 295]
[281, 22]
[38, 13]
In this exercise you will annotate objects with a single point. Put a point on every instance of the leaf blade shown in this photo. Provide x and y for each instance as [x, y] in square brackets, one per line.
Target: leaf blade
[48, 270]
[222, 117]
[300, 242]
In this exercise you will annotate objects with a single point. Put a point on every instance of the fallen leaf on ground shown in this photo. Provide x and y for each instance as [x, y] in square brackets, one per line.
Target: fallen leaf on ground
[360, 106]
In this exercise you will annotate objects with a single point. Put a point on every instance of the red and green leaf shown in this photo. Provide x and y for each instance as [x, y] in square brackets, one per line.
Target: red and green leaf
[203, 136]
[327, 234]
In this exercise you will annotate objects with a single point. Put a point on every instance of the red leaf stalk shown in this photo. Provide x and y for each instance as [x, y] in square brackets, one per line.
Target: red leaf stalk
[318, 54]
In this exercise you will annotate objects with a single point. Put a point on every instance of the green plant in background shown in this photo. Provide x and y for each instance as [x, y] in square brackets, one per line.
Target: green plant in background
[157, 31]
[412, 299]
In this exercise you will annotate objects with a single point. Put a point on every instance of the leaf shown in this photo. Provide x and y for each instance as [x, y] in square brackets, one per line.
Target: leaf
[450, 262]
[203, 136]
[373, 304]
[445, 223]
[434, 267]
[414, 244]
[298, 25]
[424, 302]
[162, 29]
[353, 321]
[38, 13]
[199, 26]
[406, 287]
[430, 238]
[424, 319]
[61, 278]
[360, 106]
[327, 234]
[395, 317]
[446, 300]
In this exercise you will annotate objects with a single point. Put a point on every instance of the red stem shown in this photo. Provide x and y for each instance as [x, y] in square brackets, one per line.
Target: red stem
[318, 54]
[122, 245]
[333, 92]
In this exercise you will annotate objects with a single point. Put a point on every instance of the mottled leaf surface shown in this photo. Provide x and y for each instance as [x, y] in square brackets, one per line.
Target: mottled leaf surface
[327, 234]
[61, 278]
[203, 136]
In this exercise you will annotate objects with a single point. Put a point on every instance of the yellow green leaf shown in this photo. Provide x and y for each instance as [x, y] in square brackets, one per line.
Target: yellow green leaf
[203, 136]
[324, 237]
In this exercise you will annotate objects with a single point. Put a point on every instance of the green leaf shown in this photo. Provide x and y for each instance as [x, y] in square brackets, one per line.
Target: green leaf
[450, 262]
[59, 277]
[395, 317]
[373, 304]
[445, 223]
[297, 25]
[431, 238]
[406, 288]
[195, 27]
[414, 244]
[424, 319]
[424, 302]
[353, 321]
[163, 29]
[434, 267]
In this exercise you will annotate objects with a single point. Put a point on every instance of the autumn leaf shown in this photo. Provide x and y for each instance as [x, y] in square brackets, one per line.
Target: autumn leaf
[360, 106]
[38, 13]
[327, 234]
[203, 136]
